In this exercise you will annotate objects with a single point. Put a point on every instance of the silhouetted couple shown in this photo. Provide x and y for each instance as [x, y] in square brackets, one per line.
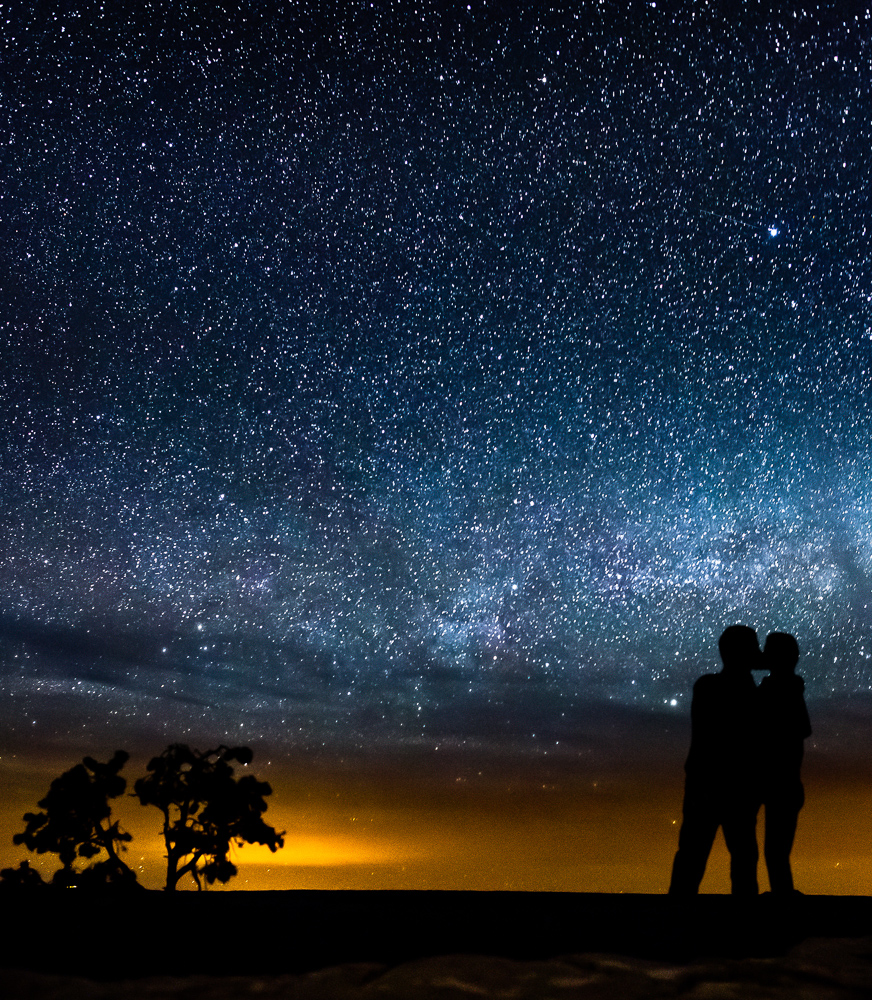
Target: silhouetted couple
[745, 751]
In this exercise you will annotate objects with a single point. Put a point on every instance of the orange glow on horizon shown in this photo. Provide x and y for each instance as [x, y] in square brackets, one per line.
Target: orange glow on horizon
[417, 831]
[323, 851]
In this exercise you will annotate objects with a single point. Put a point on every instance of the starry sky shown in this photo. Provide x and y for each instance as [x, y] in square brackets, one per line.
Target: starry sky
[386, 379]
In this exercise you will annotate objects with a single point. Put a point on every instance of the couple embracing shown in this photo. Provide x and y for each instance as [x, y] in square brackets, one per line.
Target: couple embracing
[745, 751]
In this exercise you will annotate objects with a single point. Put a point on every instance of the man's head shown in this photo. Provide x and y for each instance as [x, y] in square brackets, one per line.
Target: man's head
[781, 653]
[739, 648]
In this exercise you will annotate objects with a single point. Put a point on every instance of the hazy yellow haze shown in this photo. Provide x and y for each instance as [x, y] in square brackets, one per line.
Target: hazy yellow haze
[409, 825]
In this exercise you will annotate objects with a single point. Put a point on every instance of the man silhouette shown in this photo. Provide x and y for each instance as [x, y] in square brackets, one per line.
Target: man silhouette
[784, 726]
[722, 782]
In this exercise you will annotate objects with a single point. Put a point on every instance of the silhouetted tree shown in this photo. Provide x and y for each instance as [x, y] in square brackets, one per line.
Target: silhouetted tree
[205, 808]
[75, 822]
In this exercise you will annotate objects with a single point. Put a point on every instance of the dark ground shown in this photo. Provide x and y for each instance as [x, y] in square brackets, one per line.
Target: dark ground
[108, 935]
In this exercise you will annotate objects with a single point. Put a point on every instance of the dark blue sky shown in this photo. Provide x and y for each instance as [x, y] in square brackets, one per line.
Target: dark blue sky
[429, 372]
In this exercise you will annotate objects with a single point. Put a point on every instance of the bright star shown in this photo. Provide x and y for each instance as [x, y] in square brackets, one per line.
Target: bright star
[773, 230]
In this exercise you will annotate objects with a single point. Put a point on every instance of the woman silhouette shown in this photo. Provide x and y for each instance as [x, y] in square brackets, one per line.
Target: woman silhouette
[784, 726]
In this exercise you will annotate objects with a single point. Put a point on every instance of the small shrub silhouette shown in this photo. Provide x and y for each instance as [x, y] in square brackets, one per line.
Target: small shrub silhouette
[23, 876]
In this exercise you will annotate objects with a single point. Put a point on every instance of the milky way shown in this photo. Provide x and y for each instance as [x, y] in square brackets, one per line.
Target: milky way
[408, 373]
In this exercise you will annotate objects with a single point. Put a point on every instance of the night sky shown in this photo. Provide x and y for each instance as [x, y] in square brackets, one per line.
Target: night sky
[387, 381]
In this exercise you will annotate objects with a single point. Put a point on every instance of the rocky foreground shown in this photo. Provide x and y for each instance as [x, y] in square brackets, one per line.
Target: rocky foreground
[817, 968]
[422, 945]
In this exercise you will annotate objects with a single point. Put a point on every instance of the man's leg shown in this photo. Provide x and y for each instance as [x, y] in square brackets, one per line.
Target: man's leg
[698, 828]
[740, 833]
